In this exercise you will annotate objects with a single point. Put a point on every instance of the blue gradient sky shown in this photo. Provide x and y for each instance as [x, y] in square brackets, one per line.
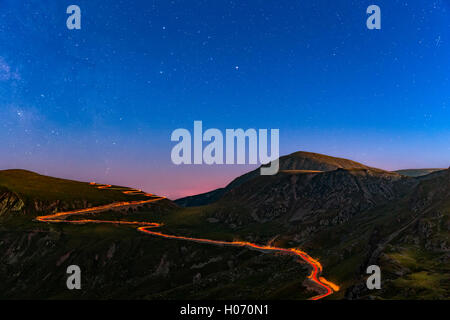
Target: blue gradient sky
[100, 103]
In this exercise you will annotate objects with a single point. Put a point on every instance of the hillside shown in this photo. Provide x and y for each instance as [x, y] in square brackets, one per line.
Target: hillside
[292, 197]
[415, 256]
[34, 254]
[28, 192]
[351, 218]
[347, 218]
[295, 161]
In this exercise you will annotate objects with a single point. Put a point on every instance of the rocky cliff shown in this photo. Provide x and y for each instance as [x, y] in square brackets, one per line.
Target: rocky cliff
[10, 202]
[322, 198]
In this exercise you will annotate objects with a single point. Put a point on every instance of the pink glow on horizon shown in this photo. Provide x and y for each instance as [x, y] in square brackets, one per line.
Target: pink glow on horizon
[159, 176]
[169, 181]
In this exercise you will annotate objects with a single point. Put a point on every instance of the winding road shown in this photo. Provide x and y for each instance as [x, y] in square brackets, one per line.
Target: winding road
[323, 286]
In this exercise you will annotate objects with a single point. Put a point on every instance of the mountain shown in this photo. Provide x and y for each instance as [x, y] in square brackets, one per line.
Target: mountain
[350, 218]
[116, 260]
[26, 192]
[417, 172]
[295, 161]
[346, 215]
[310, 189]
[299, 196]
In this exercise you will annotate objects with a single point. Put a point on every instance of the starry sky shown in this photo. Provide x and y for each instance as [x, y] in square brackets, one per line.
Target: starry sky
[100, 103]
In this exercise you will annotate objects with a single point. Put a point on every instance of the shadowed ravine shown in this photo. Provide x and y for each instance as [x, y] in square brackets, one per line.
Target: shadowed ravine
[323, 286]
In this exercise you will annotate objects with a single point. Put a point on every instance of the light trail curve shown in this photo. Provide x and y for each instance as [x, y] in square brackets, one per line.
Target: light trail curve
[323, 286]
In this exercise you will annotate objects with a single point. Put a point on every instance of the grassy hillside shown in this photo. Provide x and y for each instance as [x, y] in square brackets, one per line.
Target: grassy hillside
[120, 263]
[29, 185]
[417, 262]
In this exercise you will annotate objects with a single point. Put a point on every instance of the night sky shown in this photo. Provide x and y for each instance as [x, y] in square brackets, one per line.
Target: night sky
[99, 104]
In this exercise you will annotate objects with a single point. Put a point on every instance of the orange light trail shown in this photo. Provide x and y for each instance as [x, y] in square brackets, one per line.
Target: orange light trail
[325, 287]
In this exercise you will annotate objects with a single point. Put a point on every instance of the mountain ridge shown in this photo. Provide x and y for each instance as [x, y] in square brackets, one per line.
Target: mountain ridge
[300, 160]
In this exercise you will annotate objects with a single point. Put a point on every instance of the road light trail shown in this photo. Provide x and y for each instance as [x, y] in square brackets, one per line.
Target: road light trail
[324, 286]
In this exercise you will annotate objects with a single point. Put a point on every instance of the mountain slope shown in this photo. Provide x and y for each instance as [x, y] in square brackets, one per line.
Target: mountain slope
[415, 257]
[27, 192]
[295, 161]
[351, 219]
[336, 194]
[34, 255]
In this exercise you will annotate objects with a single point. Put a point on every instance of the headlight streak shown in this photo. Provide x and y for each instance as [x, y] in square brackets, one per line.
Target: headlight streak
[324, 286]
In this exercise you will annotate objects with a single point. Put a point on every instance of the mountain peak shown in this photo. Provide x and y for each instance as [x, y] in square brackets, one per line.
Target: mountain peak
[300, 161]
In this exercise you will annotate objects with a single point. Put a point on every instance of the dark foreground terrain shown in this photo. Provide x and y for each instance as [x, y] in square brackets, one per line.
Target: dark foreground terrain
[343, 213]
